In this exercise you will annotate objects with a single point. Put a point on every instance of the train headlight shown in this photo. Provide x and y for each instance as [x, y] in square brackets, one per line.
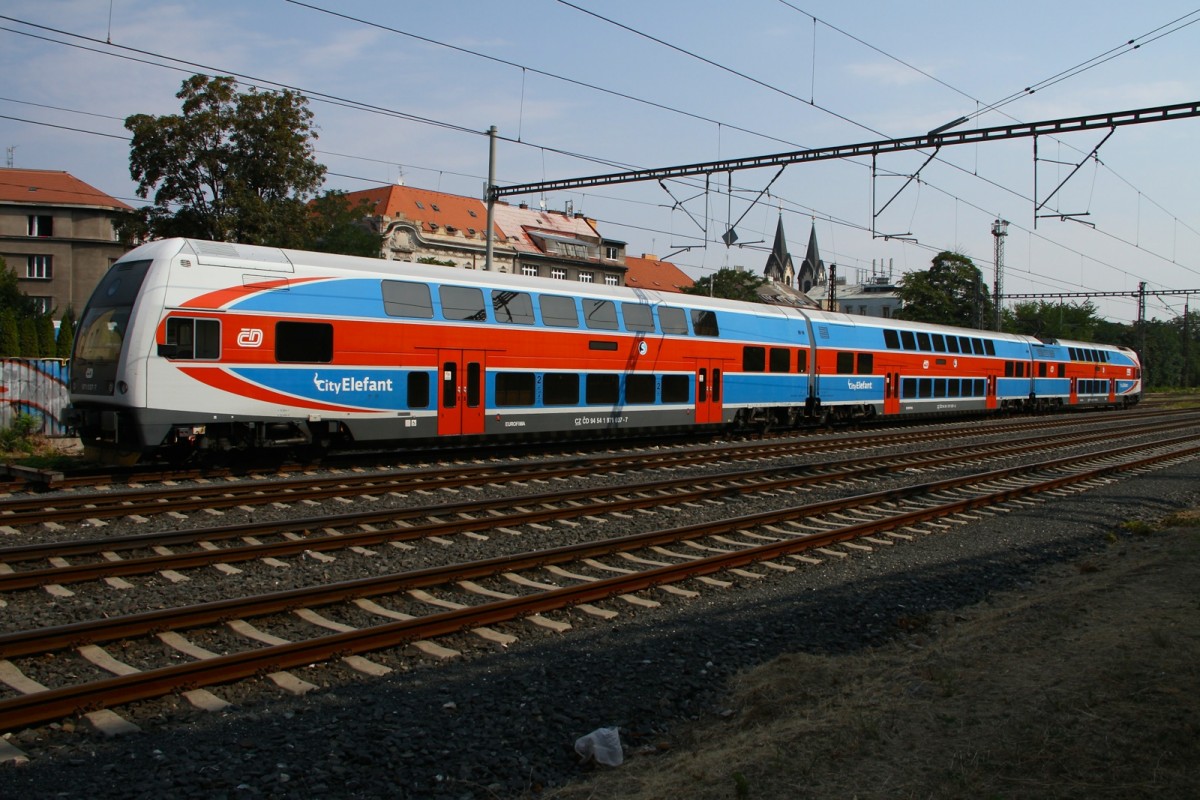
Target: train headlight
[122, 387]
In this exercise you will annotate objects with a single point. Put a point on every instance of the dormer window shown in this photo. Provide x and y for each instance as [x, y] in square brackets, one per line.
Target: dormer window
[434, 207]
[420, 205]
[471, 211]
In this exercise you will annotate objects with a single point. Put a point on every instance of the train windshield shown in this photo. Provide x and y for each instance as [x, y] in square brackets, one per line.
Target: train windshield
[102, 329]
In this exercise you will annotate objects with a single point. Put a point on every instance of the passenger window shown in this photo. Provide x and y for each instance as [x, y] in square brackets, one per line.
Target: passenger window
[672, 320]
[418, 390]
[801, 361]
[675, 388]
[704, 323]
[923, 341]
[989, 347]
[952, 344]
[639, 388]
[407, 299]
[781, 360]
[304, 342]
[510, 307]
[462, 303]
[189, 338]
[939, 343]
[558, 312]
[603, 389]
[891, 339]
[908, 388]
[600, 315]
[866, 363]
[638, 317]
[560, 389]
[514, 388]
[754, 359]
[845, 363]
[910, 341]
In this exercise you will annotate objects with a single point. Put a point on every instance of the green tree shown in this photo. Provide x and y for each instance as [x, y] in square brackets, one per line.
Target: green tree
[1052, 320]
[11, 296]
[230, 167]
[44, 324]
[66, 334]
[336, 226]
[10, 334]
[732, 284]
[27, 330]
[951, 292]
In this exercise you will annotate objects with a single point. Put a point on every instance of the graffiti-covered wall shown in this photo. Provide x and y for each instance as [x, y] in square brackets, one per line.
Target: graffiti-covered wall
[36, 386]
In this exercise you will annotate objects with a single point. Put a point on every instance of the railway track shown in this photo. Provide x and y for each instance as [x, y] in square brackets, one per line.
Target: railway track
[488, 592]
[361, 529]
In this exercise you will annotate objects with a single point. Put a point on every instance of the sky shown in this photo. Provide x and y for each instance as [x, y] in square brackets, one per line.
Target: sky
[404, 91]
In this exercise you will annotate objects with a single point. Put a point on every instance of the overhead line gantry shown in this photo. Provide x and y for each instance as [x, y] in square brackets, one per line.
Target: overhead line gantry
[936, 139]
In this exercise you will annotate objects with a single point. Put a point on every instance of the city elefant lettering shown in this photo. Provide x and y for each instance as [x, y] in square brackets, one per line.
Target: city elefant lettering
[349, 383]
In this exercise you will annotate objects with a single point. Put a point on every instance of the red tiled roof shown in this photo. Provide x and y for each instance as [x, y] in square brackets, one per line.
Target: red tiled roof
[650, 273]
[50, 187]
[518, 223]
[434, 211]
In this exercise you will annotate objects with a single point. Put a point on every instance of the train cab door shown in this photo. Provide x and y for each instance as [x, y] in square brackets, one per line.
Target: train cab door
[891, 393]
[461, 394]
[710, 379]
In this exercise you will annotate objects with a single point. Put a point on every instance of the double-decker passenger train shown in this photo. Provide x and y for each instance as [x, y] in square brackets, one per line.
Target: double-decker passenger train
[191, 345]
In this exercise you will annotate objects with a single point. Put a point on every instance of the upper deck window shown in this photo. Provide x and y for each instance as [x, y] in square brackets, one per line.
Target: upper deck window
[704, 323]
[407, 299]
[462, 303]
[672, 320]
[600, 315]
[638, 317]
[558, 312]
[512, 307]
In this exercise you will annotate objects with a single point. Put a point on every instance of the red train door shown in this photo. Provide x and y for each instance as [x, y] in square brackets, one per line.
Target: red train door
[991, 392]
[461, 397]
[891, 393]
[709, 388]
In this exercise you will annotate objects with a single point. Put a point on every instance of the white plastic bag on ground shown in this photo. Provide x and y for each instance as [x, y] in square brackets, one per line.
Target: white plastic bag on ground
[602, 744]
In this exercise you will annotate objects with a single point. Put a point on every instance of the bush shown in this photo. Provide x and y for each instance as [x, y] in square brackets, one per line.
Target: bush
[19, 436]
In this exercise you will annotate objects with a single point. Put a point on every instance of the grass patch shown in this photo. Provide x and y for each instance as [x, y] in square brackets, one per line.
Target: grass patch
[1138, 527]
